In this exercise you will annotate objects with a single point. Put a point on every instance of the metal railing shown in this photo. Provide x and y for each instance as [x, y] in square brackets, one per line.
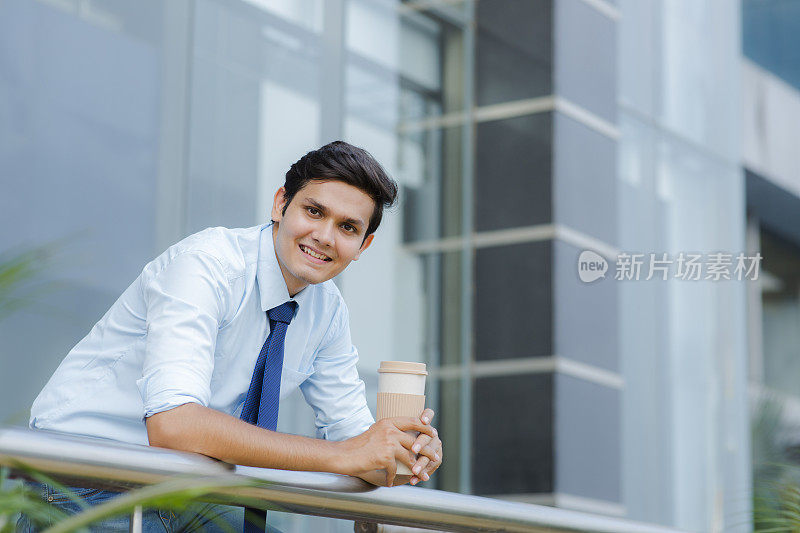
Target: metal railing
[112, 465]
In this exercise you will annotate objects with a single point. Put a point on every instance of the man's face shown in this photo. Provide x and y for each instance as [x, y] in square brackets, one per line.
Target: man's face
[321, 232]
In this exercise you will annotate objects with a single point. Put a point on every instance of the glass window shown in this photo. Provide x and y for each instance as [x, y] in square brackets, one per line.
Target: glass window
[771, 36]
[780, 303]
[79, 158]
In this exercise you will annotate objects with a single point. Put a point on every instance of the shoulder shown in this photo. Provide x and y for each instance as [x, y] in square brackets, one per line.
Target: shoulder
[229, 250]
[331, 310]
[331, 297]
[324, 304]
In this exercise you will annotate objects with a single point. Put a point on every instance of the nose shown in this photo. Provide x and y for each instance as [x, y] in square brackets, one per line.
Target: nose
[324, 233]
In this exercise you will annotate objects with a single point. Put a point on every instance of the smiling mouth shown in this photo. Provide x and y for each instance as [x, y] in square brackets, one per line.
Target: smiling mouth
[314, 254]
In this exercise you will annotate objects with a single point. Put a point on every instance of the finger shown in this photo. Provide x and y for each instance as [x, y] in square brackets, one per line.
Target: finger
[431, 468]
[435, 462]
[406, 441]
[414, 480]
[422, 441]
[407, 423]
[427, 416]
[426, 475]
[420, 465]
[415, 444]
[402, 455]
[431, 450]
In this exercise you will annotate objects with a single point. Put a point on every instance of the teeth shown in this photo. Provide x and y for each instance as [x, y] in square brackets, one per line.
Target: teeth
[312, 253]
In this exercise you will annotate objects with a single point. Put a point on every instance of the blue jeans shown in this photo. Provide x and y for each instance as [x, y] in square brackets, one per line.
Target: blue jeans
[196, 518]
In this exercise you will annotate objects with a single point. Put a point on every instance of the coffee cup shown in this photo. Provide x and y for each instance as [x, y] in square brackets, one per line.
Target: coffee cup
[401, 392]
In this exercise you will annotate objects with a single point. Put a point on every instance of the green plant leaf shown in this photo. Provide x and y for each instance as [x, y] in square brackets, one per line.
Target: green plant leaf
[176, 493]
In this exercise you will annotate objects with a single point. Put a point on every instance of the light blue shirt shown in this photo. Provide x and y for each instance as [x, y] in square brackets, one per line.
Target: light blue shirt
[190, 329]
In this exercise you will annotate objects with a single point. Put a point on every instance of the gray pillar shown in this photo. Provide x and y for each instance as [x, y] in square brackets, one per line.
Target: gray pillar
[547, 397]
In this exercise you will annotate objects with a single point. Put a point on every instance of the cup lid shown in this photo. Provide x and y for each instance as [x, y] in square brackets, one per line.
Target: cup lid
[403, 367]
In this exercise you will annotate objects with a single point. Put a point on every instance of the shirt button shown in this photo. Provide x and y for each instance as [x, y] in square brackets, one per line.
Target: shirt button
[50, 498]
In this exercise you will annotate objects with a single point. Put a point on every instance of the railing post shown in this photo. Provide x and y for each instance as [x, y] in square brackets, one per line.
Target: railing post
[136, 520]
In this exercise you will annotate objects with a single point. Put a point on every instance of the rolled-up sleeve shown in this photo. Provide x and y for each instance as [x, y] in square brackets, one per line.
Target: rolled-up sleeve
[186, 302]
[334, 390]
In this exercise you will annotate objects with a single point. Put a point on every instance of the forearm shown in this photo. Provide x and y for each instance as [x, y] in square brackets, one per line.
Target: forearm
[192, 427]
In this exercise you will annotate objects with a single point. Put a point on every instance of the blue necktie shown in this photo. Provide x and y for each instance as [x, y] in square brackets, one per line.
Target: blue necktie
[261, 403]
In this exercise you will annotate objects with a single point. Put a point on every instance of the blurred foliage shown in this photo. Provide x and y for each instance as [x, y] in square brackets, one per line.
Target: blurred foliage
[21, 499]
[776, 471]
[21, 277]
[178, 494]
[21, 281]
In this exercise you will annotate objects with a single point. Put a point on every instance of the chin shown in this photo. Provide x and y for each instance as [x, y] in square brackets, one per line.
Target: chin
[313, 278]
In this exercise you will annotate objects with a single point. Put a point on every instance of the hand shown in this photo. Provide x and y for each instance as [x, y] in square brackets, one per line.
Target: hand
[429, 449]
[381, 447]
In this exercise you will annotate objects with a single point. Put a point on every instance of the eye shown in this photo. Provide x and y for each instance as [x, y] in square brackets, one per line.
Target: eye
[349, 228]
[313, 211]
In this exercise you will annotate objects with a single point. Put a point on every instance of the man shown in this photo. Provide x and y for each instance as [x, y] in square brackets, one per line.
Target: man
[180, 360]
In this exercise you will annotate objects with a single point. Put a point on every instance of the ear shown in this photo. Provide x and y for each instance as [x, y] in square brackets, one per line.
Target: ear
[277, 204]
[364, 246]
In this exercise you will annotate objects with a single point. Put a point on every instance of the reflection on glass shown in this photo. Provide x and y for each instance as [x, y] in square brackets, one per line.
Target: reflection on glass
[403, 101]
[771, 36]
[514, 52]
[442, 293]
[80, 104]
[306, 13]
[780, 301]
[403, 71]
[447, 422]
[449, 296]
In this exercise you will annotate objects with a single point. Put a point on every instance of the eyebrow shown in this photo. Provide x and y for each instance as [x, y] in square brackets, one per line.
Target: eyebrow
[324, 210]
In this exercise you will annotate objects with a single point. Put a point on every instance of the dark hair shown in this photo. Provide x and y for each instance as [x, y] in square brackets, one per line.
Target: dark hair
[342, 161]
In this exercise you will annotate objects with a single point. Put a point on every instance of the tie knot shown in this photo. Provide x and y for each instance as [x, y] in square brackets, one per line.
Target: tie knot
[282, 313]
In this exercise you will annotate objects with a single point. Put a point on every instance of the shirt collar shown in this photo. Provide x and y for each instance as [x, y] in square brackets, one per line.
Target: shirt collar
[271, 285]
